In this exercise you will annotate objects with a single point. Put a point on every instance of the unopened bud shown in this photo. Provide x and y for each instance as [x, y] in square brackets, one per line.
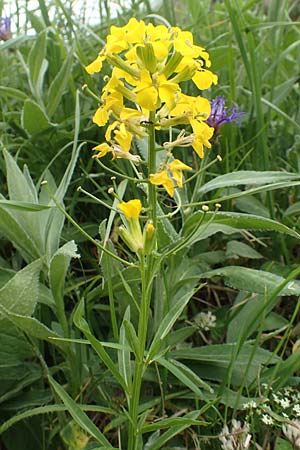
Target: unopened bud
[219, 158]
[148, 238]
[111, 190]
[205, 208]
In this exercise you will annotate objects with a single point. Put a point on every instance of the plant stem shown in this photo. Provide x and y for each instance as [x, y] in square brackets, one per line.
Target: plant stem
[139, 363]
[152, 167]
[146, 267]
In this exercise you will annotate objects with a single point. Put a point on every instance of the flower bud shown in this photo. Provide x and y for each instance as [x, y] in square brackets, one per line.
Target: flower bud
[149, 238]
[147, 57]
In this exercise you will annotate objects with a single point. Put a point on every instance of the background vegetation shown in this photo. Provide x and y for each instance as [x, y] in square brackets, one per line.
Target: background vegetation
[249, 258]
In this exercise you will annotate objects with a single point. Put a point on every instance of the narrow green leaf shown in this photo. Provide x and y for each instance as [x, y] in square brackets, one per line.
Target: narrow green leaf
[173, 431]
[168, 423]
[78, 415]
[177, 371]
[124, 355]
[12, 92]
[59, 85]
[168, 321]
[23, 206]
[82, 324]
[48, 410]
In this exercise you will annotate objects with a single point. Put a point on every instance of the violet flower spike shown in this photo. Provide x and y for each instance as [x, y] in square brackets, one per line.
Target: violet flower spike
[5, 32]
[220, 114]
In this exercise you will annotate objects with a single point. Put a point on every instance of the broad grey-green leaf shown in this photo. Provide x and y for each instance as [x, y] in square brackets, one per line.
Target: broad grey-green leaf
[24, 374]
[214, 361]
[232, 220]
[15, 233]
[245, 177]
[37, 63]
[252, 280]
[236, 249]
[32, 327]
[14, 349]
[20, 293]
[34, 119]
[18, 186]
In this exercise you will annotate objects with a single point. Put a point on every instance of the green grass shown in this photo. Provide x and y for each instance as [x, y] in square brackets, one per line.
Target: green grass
[68, 326]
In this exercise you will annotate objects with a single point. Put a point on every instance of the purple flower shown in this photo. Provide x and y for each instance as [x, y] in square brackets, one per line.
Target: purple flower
[220, 114]
[5, 32]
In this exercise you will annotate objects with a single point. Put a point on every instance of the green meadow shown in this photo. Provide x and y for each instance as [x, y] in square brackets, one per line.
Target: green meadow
[149, 225]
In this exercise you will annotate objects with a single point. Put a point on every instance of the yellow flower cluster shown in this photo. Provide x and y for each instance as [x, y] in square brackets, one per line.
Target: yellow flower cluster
[149, 63]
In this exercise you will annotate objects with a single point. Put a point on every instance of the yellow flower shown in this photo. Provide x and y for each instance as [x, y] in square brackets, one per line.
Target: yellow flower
[183, 43]
[121, 135]
[191, 107]
[176, 167]
[162, 178]
[151, 92]
[166, 177]
[132, 233]
[202, 134]
[131, 209]
[147, 95]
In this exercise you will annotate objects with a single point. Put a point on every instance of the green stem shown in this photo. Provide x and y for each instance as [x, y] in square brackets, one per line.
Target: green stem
[152, 168]
[146, 268]
[139, 363]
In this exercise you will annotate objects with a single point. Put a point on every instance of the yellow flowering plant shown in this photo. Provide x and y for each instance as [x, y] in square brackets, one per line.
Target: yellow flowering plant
[142, 97]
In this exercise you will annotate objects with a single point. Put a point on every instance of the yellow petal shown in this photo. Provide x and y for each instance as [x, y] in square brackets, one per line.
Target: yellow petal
[103, 149]
[100, 117]
[203, 79]
[131, 209]
[176, 167]
[95, 66]
[147, 98]
[176, 164]
[162, 178]
[123, 137]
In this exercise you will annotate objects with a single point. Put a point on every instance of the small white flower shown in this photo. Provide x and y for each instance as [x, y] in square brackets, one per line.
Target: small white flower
[276, 398]
[250, 405]
[285, 403]
[205, 320]
[267, 419]
[296, 409]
